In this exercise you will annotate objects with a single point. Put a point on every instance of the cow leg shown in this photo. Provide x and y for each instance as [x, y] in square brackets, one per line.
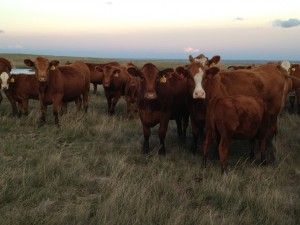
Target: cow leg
[56, 109]
[223, 152]
[85, 99]
[179, 127]
[114, 102]
[206, 148]
[12, 103]
[162, 130]
[292, 102]
[95, 88]
[185, 125]
[109, 100]
[23, 109]
[252, 148]
[43, 114]
[128, 103]
[298, 109]
[195, 131]
[1, 98]
[262, 145]
[147, 132]
[78, 103]
[64, 108]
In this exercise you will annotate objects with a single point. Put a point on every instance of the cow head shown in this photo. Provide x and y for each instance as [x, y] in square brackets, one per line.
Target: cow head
[150, 76]
[4, 77]
[197, 75]
[108, 73]
[42, 67]
[295, 70]
[204, 60]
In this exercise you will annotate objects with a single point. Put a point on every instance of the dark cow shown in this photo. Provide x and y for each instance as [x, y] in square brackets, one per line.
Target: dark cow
[270, 82]
[58, 84]
[295, 72]
[161, 98]
[5, 68]
[114, 81]
[96, 75]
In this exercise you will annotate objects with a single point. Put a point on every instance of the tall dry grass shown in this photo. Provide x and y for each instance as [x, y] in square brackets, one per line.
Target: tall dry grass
[91, 170]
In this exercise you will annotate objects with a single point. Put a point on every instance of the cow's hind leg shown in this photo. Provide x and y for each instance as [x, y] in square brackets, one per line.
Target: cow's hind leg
[85, 99]
[223, 152]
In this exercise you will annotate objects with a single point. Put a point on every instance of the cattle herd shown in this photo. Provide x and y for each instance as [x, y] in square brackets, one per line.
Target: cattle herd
[221, 104]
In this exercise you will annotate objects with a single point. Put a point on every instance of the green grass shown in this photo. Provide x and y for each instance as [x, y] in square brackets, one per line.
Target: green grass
[91, 170]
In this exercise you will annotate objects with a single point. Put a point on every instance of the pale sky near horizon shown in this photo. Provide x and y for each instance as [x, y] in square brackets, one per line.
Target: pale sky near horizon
[164, 29]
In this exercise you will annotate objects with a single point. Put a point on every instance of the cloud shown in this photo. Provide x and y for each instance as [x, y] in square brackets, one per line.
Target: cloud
[238, 19]
[1, 31]
[190, 49]
[108, 3]
[15, 46]
[286, 23]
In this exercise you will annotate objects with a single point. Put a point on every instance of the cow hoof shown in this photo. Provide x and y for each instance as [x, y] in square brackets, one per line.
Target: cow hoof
[162, 150]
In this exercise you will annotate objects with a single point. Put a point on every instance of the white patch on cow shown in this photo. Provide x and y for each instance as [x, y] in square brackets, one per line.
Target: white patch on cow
[202, 60]
[286, 65]
[4, 78]
[199, 91]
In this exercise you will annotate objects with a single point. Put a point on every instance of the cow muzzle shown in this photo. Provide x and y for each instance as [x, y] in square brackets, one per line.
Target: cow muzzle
[199, 94]
[150, 95]
[42, 79]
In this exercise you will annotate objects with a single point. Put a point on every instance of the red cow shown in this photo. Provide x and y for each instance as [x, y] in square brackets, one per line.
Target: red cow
[114, 81]
[58, 84]
[268, 82]
[96, 75]
[21, 88]
[131, 93]
[161, 98]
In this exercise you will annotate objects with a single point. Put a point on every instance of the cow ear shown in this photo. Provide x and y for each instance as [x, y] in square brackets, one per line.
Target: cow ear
[191, 59]
[134, 71]
[183, 71]
[214, 60]
[212, 71]
[166, 71]
[54, 63]
[99, 68]
[29, 63]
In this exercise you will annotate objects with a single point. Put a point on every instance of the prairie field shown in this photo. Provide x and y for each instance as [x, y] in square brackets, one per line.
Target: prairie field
[91, 170]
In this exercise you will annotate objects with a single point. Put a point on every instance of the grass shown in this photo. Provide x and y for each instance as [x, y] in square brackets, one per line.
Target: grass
[91, 170]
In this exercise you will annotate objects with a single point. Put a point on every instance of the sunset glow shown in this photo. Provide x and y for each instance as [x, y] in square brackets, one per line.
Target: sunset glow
[152, 29]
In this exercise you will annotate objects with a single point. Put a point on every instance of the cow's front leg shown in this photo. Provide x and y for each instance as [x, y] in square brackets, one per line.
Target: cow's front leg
[56, 110]
[162, 131]
[147, 132]
[43, 114]
[114, 102]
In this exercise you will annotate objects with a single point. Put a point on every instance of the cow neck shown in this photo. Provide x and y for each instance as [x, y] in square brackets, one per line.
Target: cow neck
[214, 88]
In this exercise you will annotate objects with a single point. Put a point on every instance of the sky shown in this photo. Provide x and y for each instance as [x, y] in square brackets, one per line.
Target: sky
[154, 29]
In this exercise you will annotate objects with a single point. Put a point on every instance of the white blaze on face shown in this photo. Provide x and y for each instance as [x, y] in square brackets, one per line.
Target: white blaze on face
[286, 65]
[199, 91]
[4, 78]
[202, 60]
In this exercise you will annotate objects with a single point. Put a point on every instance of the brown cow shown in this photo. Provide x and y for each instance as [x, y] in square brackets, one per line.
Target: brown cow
[269, 82]
[161, 98]
[131, 92]
[241, 67]
[59, 84]
[114, 81]
[21, 87]
[96, 75]
[5, 68]
[295, 72]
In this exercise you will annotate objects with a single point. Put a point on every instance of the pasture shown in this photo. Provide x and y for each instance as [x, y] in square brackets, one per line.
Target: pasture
[91, 170]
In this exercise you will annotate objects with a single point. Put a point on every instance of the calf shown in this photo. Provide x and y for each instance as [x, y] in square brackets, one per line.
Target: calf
[58, 84]
[21, 88]
[97, 76]
[131, 94]
[161, 98]
[114, 81]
